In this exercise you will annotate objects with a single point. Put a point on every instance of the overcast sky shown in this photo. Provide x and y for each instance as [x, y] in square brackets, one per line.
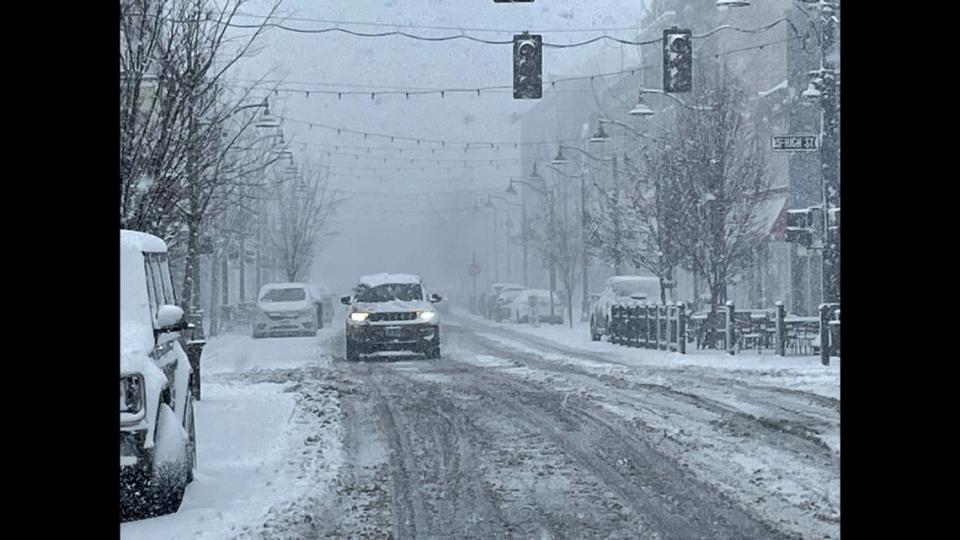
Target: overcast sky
[337, 61]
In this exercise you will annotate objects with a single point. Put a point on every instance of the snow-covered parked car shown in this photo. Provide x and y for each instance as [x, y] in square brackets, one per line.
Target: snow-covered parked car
[391, 312]
[489, 298]
[285, 309]
[503, 310]
[623, 291]
[157, 430]
[530, 303]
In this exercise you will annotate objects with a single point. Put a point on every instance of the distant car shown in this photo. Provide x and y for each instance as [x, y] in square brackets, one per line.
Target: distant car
[285, 309]
[621, 290]
[530, 302]
[391, 312]
[157, 431]
[503, 312]
[489, 298]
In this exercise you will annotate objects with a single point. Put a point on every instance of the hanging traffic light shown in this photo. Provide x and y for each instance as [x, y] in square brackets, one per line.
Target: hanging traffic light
[800, 227]
[527, 66]
[677, 60]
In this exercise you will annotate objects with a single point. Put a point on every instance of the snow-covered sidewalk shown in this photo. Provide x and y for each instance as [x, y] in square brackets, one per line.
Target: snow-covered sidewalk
[802, 373]
[251, 437]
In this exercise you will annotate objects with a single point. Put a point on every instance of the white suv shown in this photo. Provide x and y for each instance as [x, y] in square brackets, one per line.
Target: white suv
[391, 312]
[285, 308]
[157, 430]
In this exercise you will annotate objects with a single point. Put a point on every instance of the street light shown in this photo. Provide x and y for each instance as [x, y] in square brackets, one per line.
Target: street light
[641, 109]
[559, 160]
[732, 3]
[601, 135]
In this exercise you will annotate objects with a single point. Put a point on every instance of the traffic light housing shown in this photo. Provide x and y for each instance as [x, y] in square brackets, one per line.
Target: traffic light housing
[800, 227]
[677, 60]
[527, 66]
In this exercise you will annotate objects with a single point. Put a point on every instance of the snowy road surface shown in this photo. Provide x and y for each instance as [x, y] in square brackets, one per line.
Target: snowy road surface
[514, 433]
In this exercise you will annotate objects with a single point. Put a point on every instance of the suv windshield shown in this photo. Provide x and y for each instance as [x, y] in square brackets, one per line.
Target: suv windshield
[284, 295]
[388, 292]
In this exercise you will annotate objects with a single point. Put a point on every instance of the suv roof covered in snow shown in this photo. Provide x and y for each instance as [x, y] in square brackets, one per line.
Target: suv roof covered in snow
[138, 241]
[374, 280]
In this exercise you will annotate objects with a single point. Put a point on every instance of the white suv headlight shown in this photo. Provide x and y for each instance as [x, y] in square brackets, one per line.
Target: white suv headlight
[358, 316]
[426, 315]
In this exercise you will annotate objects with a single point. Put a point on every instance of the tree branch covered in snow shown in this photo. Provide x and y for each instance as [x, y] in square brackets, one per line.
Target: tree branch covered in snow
[719, 166]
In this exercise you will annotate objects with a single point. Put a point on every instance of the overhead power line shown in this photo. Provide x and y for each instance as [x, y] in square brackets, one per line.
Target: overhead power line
[464, 36]
[442, 92]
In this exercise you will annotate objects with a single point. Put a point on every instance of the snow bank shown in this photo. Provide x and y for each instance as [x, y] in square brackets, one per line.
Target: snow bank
[803, 373]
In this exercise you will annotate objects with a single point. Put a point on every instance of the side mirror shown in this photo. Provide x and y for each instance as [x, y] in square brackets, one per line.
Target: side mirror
[345, 300]
[434, 298]
[170, 319]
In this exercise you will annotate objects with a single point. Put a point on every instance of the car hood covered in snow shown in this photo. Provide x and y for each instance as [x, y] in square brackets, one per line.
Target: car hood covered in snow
[393, 306]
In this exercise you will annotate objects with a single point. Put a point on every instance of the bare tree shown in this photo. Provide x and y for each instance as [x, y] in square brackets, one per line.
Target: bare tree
[609, 233]
[719, 166]
[178, 120]
[555, 231]
[304, 206]
[654, 218]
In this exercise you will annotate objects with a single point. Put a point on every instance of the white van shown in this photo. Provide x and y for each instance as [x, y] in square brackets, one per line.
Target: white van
[157, 430]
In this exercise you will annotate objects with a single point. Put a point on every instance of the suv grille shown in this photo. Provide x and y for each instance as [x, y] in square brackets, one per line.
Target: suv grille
[403, 316]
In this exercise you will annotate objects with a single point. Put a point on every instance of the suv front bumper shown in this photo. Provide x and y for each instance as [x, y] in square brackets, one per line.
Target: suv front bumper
[406, 337]
[284, 325]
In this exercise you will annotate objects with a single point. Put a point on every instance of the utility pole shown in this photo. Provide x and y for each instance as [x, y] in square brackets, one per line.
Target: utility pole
[553, 266]
[523, 238]
[243, 267]
[509, 250]
[496, 255]
[829, 149]
[617, 224]
[585, 305]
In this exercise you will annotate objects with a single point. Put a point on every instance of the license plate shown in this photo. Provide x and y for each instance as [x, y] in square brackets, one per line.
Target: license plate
[394, 331]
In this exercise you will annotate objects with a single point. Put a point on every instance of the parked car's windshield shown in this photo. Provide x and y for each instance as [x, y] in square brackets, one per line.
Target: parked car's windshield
[509, 295]
[391, 291]
[628, 288]
[284, 295]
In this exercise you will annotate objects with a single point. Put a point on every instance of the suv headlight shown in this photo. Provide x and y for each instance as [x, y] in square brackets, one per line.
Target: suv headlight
[131, 393]
[426, 315]
[358, 316]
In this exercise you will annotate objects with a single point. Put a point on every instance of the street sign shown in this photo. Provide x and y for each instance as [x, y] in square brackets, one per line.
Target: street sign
[473, 269]
[795, 142]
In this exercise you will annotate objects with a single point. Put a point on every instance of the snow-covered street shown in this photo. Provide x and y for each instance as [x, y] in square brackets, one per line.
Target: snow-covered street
[516, 432]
